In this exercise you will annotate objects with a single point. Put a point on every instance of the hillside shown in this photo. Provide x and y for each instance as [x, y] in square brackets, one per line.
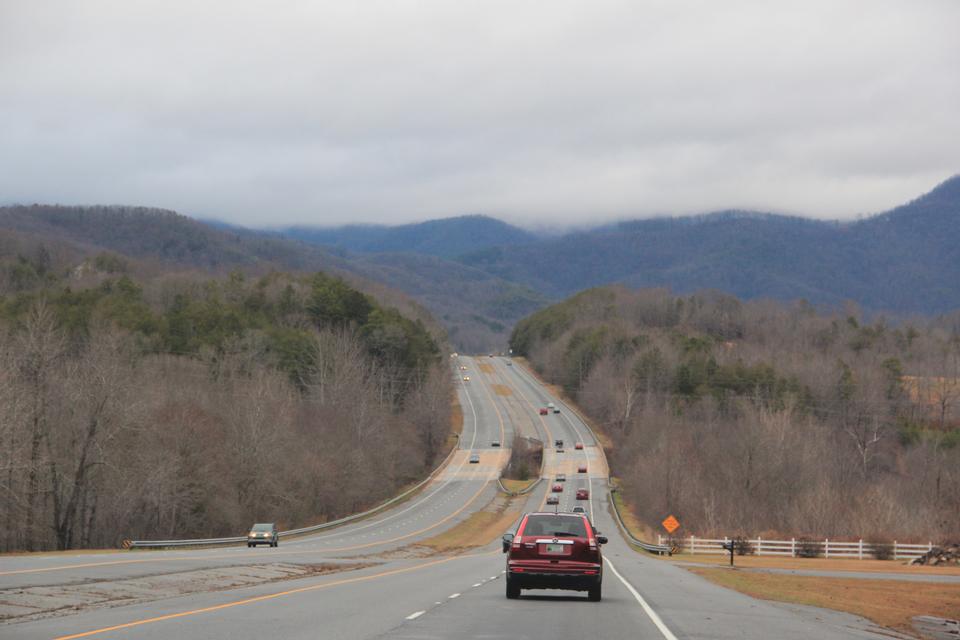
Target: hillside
[446, 238]
[203, 397]
[37, 242]
[904, 261]
[760, 417]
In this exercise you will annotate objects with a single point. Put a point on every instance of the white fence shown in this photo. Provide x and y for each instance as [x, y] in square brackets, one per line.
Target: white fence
[827, 548]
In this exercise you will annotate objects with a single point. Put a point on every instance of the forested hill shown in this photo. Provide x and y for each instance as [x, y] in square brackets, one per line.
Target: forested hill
[447, 238]
[905, 261]
[745, 417]
[213, 401]
[159, 234]
[475, 308]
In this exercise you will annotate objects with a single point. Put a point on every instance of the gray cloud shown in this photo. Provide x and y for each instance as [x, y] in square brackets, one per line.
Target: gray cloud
[541, 113]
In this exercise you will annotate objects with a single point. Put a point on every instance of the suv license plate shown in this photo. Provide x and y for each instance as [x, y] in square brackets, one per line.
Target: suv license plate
[554, 548]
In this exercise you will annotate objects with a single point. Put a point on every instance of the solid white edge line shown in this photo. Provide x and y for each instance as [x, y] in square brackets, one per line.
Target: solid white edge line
[643, 603]
[414, 616]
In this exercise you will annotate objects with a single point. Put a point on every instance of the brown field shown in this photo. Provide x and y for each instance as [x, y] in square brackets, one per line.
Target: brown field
[818, 564]
[502, 390]
[889, 603]
[486, 368]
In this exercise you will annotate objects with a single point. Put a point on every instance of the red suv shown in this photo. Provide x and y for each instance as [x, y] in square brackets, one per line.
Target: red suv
[554, 551]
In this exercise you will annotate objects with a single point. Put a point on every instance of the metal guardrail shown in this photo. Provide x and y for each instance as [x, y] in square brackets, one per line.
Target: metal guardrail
[646, 546]
[154, 544]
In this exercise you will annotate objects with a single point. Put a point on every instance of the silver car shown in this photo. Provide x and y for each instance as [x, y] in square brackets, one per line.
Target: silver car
[263, 533]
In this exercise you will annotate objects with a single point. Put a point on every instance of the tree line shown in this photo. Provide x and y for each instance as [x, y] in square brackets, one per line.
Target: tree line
[764, 417]
[188, 406]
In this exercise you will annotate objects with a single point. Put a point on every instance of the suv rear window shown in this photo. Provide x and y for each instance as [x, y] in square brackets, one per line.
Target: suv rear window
[262, 527]
[548, 525]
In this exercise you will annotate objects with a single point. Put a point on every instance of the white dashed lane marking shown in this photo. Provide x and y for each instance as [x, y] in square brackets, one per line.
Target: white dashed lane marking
[414, 616]
[456, 595]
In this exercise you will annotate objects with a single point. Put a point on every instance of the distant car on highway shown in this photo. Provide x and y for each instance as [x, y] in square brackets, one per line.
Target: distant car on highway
[561, 477]
[543, 411]
[553, 500]
[263, 533]
[578, 446]
[463, 367]
[557, 488]
[474, 458]
[558, 442]
[583, 494]
[509, 364]
[582, 468]
[466, 378]
[559, 449]
[554, 551]
[495, 443]
[578, 509]
[551, 406]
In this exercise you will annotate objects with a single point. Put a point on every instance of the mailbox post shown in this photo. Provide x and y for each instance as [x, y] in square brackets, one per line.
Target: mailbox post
[729, 546]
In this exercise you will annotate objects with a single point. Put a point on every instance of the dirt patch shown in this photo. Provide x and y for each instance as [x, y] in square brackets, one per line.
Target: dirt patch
[502, 390]
[28, 603]
[486, 368]
[817, 564]
[888, 603]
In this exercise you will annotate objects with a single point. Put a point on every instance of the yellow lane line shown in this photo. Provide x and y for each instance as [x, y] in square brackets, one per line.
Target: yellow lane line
[100, 564]
[237, 603]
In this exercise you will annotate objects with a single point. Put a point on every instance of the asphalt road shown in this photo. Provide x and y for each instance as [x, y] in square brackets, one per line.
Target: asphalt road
[440, 596]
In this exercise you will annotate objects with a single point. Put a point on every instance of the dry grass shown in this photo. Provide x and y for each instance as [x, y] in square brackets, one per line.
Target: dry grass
[481, 528]
[818, 564]
[634, 525]
[501, 390]
[516, 486]
[486, 368]
[456, 417]
[889, 603]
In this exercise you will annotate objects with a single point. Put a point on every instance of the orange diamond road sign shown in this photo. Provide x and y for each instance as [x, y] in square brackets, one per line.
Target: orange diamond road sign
[671, 524]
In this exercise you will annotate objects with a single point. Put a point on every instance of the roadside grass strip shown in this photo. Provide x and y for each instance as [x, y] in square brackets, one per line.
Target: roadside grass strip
[888, 603]
[481, 528]
[813, 564]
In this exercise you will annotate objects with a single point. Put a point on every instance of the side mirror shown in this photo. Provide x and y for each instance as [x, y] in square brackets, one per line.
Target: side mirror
[601, 539]
[507, 541]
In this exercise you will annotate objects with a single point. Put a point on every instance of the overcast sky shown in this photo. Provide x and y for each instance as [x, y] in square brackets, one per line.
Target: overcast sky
[546, 112]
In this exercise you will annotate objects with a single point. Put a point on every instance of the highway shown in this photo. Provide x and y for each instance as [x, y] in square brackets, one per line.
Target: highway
[404, 590]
